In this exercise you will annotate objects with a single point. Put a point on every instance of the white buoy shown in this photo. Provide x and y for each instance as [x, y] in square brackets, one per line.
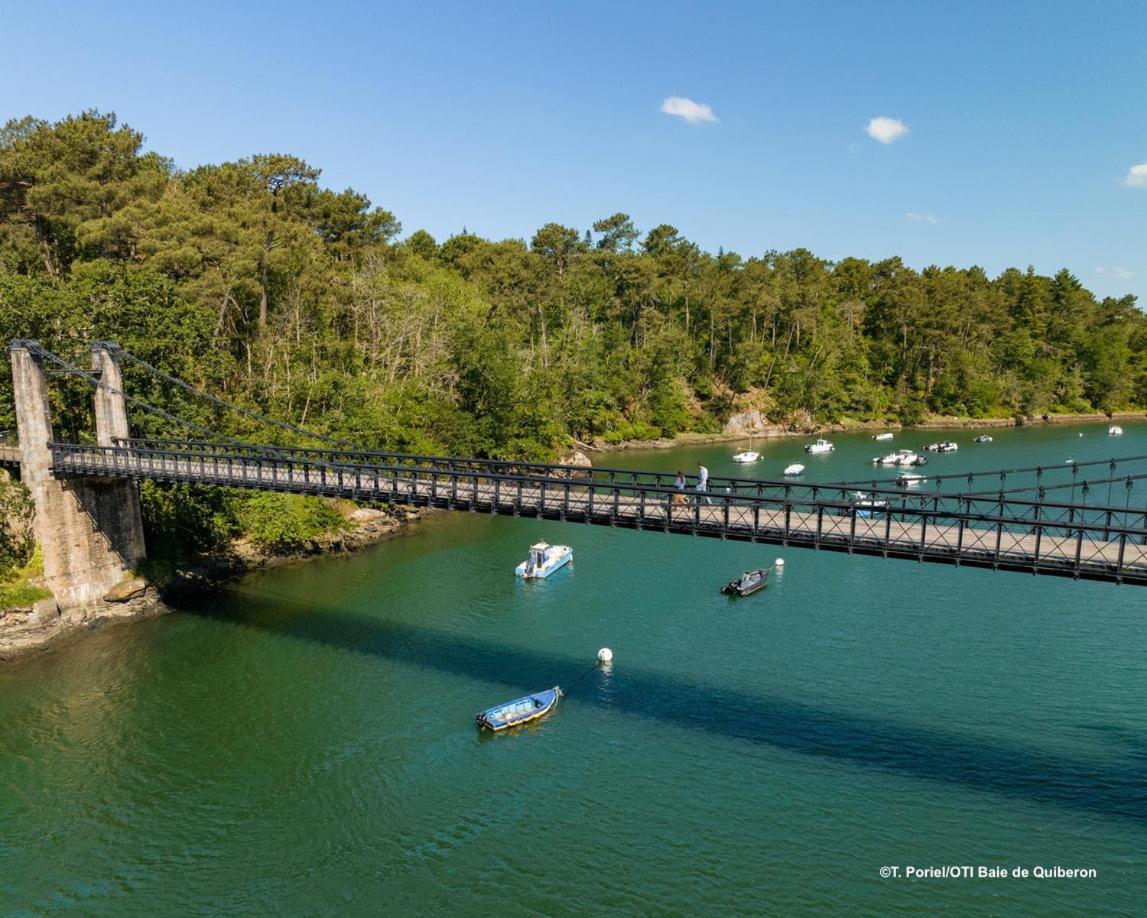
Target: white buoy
[780, 562]
[605, 655]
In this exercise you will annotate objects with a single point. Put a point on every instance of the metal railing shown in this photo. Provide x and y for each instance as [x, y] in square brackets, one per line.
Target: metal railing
[998, 531]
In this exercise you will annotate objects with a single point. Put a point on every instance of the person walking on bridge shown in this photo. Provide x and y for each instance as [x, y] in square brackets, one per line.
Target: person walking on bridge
[703, 483]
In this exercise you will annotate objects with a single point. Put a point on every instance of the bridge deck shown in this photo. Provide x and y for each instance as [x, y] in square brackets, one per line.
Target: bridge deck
[1102, 543]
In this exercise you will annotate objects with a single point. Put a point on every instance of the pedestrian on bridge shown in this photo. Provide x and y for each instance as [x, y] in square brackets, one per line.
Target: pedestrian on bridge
[703, 482]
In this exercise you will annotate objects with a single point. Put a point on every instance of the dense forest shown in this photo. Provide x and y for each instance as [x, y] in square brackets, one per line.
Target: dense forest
[252, 280]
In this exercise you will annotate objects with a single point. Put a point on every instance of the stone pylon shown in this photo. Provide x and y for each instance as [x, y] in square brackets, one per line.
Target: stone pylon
[89, 529]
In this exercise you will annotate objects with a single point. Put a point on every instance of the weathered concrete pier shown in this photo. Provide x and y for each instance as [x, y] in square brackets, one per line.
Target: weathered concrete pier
[89, 528]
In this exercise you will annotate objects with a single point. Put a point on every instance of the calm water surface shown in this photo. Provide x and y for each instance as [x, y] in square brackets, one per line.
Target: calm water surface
[304, 744]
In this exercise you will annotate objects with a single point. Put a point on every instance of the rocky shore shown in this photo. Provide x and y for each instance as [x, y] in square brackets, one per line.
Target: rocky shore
[752, 423]
[43, 624]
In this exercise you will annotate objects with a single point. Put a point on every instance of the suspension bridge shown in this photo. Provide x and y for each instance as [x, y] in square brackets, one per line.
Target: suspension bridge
[1084, 520]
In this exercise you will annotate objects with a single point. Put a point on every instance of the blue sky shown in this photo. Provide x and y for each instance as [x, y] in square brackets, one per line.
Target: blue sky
[1024, 120]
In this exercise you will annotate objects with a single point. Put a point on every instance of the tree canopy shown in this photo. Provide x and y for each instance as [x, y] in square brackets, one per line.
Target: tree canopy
[253, 280]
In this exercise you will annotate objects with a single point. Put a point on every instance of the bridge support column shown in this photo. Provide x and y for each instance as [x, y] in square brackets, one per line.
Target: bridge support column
[89, 529]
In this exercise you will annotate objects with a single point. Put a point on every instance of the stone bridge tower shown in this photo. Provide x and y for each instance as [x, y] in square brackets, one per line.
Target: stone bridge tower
[89, 529]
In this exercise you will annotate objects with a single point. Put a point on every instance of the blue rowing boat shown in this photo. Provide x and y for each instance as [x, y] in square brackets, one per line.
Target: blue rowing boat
[519, 711]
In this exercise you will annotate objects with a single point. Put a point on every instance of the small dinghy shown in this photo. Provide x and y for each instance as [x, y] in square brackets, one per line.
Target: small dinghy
[907, 479]
[792, 471]
[1115, 431]
[983, 438]
[544, 559]
[519, 711]
[881, 437]
[748, 583]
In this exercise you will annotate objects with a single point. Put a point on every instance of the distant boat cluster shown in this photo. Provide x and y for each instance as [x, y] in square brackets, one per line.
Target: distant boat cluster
[899, 459]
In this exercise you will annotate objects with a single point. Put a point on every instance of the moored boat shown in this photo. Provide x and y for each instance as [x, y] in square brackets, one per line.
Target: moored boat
[947, 446]
[544, 559]
[747, 455]
[983, 438]
[748, 583]
[865, 506]
[902, 457]
[793, 470]
[519, 711]
[907, 479]
[882, 436]
[820, 446]
[1114, 431]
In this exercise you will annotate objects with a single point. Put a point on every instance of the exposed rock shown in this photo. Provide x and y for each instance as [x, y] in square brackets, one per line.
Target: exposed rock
[367, 515]
[128, 589]
[578, 459]
[745, 422]
[44, 610]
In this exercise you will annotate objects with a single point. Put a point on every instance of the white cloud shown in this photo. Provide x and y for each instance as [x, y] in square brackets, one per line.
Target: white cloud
[886, 130]
[917, 217]
[1136, 176]
[693, 112]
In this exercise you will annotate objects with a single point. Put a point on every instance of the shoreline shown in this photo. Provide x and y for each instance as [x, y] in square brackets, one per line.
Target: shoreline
[43, 627]
[781, 432]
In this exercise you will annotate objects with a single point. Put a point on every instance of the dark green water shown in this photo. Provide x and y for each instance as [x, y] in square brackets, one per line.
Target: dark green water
[305, 744]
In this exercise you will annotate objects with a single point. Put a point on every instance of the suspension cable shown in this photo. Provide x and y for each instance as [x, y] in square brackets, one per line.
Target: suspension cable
[42, 351]
[214, 399]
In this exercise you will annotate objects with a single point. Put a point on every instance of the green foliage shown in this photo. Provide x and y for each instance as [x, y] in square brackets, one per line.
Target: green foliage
[19, 593]
[17, 542]
[16, 588]
[185, 520]
[285, 519]
[252, 280]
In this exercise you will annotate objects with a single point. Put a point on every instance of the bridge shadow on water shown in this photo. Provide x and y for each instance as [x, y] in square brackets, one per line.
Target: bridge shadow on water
[1113, 788]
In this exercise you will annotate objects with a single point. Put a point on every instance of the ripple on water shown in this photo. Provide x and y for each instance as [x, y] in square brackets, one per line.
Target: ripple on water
[307, 743]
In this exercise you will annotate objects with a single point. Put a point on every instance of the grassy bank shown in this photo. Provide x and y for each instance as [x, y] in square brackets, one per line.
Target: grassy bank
[18, 588]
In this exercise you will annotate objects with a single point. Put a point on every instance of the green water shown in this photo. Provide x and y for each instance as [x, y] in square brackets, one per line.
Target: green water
[304, 744]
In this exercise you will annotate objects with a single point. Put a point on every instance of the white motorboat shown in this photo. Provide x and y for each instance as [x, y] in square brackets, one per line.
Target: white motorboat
[1115, 431]
[946, 446]
[882, 437]
[902, 457]
[866, 507]
[983, 438]
[820, 446]
[792, 471]
[907, 479]
[544, 559]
